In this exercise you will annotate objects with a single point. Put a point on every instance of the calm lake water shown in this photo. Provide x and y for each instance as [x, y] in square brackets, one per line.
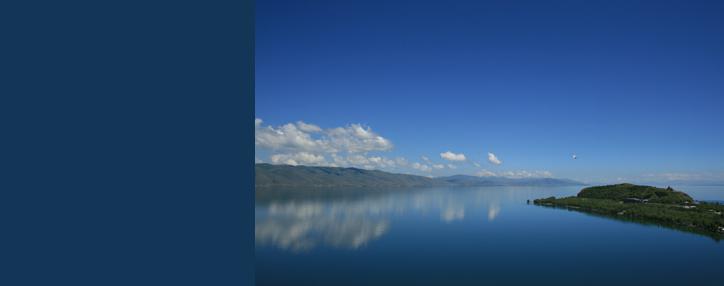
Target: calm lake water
[471, 236]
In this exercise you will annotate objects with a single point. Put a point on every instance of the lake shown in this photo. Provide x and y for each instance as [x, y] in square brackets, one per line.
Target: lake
[471, 236]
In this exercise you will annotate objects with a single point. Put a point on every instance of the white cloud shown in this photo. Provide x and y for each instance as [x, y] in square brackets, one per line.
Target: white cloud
[382, 162]
[485, 173]
[257, 160]
[354, 145]
[515, 174]
[356, 139]
[305, 137]
[311, 128]
[450, 156]
[402, 162]
[493, 159]
[301, 158]
[287, 137]
[526, 174]
[421, 167]
[375, 162]
[357, 160]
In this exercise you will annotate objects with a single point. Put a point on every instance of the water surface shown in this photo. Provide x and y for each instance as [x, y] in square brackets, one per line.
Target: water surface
[470, 236]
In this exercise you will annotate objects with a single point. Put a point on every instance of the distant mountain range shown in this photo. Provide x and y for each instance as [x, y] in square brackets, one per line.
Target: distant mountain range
[686, 183]
[286, 176]
[475, 181]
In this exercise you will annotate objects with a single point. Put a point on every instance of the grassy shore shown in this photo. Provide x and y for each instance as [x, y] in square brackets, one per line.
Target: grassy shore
[698, 217]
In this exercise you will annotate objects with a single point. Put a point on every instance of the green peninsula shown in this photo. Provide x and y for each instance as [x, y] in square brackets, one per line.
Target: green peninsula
[645, 204]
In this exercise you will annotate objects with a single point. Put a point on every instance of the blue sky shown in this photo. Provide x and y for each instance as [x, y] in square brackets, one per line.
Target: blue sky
[634, 88]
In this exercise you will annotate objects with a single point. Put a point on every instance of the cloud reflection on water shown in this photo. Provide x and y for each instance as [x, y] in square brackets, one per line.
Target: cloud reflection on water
[351, 223]
[493, 211]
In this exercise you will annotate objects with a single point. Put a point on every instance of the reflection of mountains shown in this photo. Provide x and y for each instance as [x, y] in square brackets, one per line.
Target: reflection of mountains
[300, 225]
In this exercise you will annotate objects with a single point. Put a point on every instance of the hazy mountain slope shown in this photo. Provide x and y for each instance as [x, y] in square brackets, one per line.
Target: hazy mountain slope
[464, 180]
[285, 176]
[304, 176]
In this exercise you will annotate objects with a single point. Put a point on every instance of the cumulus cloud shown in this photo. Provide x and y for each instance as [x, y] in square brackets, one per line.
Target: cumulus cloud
[402, 162]
[356, 138]
[515, 174]
[485, 173]
[526, 174]
[302, 136]
[421, 167]
[301, 158]
[382, 162]
[353, 145]
[352, 160]
[287, 138]
[361, 161]
[493, 159]
[311, 128]
[303, 143]
[450, 156]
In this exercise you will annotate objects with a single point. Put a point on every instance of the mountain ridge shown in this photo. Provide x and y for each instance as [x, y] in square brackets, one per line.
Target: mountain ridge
[287, 176]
